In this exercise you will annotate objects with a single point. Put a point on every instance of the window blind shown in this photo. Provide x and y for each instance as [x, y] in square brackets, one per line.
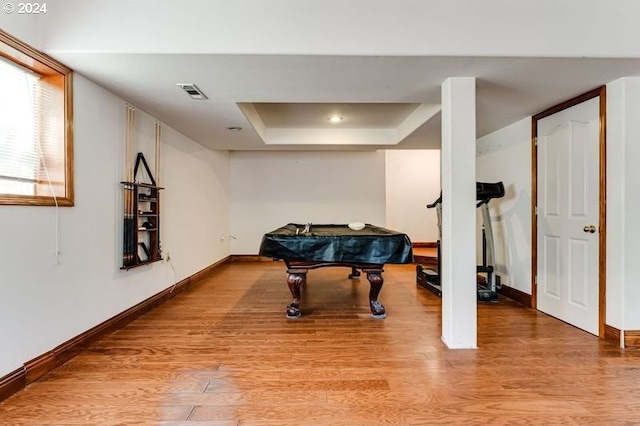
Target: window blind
[31, 140]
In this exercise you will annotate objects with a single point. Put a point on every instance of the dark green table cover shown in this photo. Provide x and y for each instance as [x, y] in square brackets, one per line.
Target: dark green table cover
[337, 243]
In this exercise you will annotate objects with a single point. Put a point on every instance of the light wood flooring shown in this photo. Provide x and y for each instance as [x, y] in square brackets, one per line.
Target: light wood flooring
[425, 252]
[223, 354]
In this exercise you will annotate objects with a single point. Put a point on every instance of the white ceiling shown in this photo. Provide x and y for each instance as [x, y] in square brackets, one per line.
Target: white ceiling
[508, 89]
[303, 58]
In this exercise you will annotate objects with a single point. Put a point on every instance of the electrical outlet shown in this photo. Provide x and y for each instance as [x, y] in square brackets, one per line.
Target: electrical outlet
[168, 257]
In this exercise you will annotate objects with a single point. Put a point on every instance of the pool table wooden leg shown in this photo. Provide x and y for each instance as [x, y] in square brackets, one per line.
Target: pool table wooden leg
[354, 273]
[295, 280]
[376, 281]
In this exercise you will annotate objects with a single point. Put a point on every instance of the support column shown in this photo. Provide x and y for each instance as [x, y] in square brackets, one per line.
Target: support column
[458, 246]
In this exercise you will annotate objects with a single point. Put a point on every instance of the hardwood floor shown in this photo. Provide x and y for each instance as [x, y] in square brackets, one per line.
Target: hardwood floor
[222, 353]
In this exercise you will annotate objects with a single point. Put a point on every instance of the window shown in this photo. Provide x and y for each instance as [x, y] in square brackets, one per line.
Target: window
[36, 135]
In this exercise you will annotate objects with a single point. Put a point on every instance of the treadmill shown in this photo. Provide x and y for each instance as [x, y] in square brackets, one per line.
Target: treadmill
[488, 281]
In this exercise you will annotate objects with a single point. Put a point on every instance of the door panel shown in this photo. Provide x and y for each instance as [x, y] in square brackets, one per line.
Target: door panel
[579, 167]
[578, 273]
[551, 262]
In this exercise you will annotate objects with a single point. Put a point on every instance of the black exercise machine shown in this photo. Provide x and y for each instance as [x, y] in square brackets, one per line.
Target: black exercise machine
[488, 280]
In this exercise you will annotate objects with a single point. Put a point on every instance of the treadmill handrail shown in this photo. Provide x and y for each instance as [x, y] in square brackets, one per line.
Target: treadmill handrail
[485, 192]
[436, 202]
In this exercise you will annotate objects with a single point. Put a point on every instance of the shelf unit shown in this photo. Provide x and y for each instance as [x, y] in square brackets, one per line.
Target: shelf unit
[141, 224]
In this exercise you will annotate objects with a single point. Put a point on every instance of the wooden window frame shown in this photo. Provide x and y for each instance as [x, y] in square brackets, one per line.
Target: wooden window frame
[24, 55]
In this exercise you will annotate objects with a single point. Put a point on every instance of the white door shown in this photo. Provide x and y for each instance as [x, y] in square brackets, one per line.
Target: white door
[568, 213]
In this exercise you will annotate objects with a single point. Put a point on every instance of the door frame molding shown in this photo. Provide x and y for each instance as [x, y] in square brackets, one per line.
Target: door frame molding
[601, 93]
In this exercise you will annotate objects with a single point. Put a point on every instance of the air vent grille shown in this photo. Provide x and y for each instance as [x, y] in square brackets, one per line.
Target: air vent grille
[193, 91]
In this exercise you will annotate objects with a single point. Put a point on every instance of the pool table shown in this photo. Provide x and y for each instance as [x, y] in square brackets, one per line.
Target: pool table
[310, 246]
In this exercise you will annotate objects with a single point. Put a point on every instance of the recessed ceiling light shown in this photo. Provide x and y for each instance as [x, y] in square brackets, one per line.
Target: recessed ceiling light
[234, 128]
[335, 119]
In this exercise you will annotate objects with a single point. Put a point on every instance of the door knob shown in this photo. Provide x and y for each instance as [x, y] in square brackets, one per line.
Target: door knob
[591, 229]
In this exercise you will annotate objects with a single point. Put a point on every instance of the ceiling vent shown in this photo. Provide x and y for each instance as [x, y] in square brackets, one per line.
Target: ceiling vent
[193, 91]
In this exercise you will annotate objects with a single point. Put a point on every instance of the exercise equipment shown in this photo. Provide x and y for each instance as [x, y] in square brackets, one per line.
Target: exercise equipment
[488, 280]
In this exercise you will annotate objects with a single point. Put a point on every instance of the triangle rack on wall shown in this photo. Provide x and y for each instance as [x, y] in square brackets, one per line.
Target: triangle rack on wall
[140, 159]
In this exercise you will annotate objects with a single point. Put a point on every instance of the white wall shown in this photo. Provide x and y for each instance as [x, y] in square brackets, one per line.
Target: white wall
[623, 204]
[616, 214]
[195, 204]
[505, 155]
[412, 182]
[271, 189]
[43, 304]
[632, 205]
